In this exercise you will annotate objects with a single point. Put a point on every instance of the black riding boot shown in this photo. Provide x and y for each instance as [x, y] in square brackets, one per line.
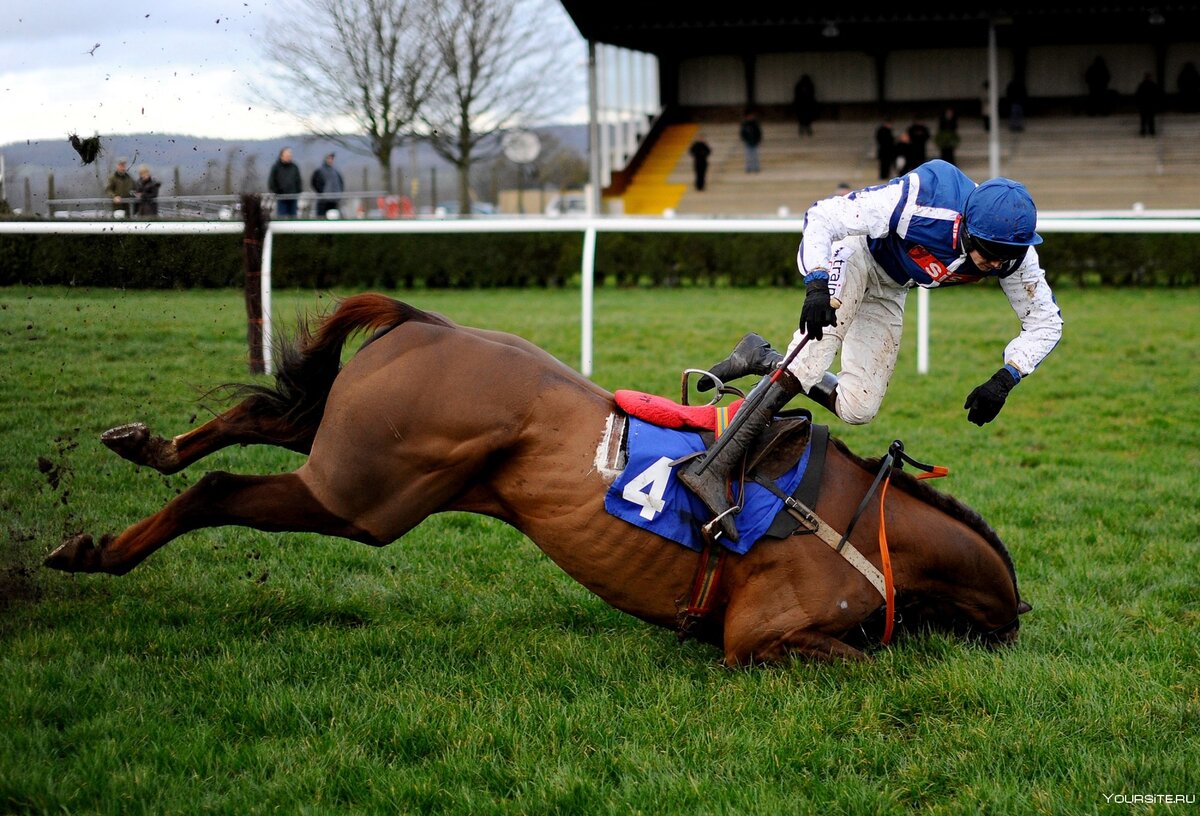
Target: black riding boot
[824, 393]
[752, 355]
[708, 475]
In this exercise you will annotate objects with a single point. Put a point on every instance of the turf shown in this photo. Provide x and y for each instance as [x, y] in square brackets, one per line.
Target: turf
[459, 671]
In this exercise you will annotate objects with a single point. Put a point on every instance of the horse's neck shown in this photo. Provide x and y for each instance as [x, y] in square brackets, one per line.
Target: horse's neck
[932, 551]
[940, 554]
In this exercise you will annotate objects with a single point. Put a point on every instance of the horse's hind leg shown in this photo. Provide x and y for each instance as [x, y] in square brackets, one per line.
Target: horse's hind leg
[274, 503]
[244, 424]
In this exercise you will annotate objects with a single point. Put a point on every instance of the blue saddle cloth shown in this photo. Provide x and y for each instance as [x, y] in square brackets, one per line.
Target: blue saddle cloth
[648, 492]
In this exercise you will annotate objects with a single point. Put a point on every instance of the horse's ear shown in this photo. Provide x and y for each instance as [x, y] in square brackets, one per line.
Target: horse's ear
[1023, 607]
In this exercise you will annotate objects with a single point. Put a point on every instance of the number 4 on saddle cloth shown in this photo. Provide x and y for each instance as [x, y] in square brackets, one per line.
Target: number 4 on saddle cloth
[649, 494]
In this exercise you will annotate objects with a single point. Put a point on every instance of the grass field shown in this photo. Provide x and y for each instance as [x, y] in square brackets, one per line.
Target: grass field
[459, 671]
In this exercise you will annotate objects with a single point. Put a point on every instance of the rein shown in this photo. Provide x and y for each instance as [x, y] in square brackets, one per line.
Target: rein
[882, 581]
[896, 457]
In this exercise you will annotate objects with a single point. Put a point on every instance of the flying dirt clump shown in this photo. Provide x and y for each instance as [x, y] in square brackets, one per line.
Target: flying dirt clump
[88, 149]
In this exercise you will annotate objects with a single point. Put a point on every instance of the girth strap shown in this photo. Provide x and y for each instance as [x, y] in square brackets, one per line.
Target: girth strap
[703, 592]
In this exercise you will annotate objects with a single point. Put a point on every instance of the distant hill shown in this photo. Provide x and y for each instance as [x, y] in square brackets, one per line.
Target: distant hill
[204, 164]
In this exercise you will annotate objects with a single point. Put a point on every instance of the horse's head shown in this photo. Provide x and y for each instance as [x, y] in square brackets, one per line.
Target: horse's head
[992, 624]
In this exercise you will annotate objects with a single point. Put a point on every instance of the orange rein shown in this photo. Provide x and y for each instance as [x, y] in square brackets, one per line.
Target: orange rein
[932, 472]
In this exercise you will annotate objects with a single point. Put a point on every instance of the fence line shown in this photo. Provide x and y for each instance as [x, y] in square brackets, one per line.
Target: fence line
[1077, 221]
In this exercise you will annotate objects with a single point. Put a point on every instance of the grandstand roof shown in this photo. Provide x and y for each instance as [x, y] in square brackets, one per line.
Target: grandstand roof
[688, 28]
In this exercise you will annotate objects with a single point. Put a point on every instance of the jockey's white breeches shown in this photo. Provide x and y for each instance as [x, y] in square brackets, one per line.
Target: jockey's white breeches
[870, 321]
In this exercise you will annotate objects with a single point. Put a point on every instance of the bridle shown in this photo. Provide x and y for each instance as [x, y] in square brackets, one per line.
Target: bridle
[708, 573]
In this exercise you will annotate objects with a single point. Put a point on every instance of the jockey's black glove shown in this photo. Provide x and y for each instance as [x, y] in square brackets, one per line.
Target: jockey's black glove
[985, 402]
[817, 312]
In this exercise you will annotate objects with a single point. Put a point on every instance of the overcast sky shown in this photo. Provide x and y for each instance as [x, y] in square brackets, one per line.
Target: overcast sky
[161, 66]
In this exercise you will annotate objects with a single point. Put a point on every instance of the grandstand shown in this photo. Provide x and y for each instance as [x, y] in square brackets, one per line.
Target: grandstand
[660, 73]
[1068, 162]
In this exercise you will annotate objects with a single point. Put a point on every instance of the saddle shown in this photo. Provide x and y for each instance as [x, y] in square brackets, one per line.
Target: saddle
[775, 452]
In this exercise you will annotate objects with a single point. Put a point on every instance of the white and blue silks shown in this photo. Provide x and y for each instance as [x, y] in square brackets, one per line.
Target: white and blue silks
[878, 243]
[648, 492]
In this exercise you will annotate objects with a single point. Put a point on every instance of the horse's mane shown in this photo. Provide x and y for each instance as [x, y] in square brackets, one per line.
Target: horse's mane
[946, 503]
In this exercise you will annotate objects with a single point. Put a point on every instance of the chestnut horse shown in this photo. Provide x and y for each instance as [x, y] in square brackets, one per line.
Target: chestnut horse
[430, 416]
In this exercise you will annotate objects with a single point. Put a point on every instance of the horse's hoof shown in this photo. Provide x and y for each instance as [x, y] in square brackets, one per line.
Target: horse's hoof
[77, 554]
[127, 441]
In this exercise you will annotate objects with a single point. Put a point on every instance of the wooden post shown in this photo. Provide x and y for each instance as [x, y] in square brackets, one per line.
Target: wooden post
[255, 220]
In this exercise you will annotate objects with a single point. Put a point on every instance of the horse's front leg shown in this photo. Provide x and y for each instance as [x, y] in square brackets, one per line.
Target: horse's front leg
[276, 503]
[244, 424]
[783, 605]
[769, 646]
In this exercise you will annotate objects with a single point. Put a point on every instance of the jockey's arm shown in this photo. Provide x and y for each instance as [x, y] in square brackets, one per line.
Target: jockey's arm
[865, 212]
[1041, 319]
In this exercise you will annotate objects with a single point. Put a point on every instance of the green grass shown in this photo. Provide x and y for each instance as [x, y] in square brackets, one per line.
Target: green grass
[459, 671]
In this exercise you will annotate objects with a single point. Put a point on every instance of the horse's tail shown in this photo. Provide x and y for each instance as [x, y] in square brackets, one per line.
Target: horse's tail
[307, 365]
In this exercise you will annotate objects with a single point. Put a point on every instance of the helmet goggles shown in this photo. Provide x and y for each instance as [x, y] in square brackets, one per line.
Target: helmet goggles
[1010, 255]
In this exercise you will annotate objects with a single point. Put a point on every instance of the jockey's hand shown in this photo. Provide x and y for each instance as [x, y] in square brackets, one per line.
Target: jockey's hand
[817, 312]
[985, 402]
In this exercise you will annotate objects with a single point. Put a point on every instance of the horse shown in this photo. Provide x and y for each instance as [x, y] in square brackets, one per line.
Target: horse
[430, 416]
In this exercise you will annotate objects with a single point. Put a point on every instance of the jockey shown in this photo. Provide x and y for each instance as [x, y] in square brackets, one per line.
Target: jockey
[859, 256]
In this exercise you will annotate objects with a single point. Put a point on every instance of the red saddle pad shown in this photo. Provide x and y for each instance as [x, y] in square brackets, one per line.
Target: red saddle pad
[667, 414]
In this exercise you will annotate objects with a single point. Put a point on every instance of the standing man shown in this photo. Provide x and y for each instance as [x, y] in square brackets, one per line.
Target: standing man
[751, 136]
[918, 139]
[146, 191]
[284, 182]
[885, 149]
[804, 100]
[860, 255]
[1147, 95]
[700, 152]
[120, 188]
[327, 181]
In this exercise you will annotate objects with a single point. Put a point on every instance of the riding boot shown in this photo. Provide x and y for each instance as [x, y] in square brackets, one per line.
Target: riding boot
[824, 393]
[752, 355]
[708, 475]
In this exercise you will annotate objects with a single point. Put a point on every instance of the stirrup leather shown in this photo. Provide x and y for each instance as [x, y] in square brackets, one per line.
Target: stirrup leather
[708, 475]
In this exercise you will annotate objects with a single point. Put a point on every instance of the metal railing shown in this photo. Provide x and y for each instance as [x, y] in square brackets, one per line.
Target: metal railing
[354, 205]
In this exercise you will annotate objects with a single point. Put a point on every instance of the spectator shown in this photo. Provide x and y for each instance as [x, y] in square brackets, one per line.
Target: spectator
[1189, 87]
[1017, 98]
[120, 188]
[918, 137]
[327, 181]
[985, 106]
[804, 100]
[885, 149]
[904, 154]
[145, 190]
[751, 136]
[700, 152]
[284, 182]
[1097, 78]
[947, 138]
[1148, 97]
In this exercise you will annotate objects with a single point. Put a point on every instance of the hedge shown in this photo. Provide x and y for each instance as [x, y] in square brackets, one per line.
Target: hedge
[522, 260]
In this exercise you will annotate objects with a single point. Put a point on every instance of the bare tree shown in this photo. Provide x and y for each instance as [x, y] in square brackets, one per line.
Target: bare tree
[356, 67]
[501, 70]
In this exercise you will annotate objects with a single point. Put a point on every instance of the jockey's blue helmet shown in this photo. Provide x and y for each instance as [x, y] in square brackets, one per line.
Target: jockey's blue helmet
[1001, 219]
